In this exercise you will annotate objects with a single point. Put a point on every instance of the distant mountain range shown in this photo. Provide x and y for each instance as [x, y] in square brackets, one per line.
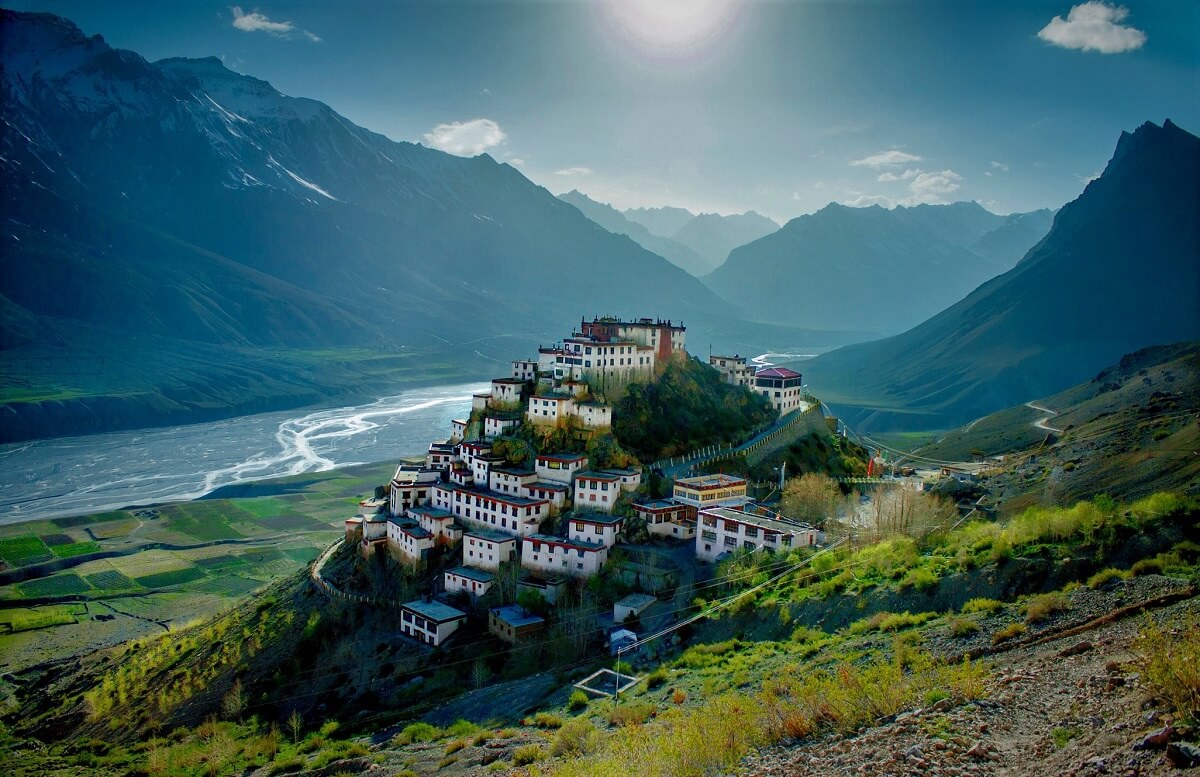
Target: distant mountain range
[713, 236]
[664, 221]
[697, 243]
[614, 221]
[214, 220]
[1118, 271]
[873, 269]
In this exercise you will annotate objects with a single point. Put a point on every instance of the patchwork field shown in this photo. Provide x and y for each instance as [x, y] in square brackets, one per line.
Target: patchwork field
[222, 548]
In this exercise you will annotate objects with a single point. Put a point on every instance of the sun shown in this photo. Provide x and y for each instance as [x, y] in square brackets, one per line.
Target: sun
[670, 27]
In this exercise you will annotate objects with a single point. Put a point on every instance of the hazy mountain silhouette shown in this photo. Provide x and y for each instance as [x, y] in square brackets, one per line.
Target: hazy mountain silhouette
[614, 221]
[1119, 271]
[873, 269]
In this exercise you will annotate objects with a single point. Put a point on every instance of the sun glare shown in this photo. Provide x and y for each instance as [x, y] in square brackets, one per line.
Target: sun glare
[670, 27]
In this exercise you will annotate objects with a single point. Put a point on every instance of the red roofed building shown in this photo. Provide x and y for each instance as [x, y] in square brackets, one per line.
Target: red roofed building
[783, 387]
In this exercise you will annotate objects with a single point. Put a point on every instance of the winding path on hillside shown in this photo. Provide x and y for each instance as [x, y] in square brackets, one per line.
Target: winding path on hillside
[1041, 422]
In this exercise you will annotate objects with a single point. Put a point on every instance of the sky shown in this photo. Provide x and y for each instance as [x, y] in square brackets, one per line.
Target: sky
[719, 105]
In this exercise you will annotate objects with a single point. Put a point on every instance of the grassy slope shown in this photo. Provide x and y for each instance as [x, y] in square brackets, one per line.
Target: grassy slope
[1128, 432]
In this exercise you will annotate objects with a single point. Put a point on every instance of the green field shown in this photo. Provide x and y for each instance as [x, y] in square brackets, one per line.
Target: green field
[75, 549]
[176, 577]
[111, 580]
[57, 585]
[24, 550]
[30, 618]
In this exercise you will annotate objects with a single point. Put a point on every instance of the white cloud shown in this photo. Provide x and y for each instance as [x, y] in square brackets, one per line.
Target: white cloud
[885, 159]
[1000, 166]
[1088, 178]
[466, 138]
[925, 188]
[929, 187]
[573, 171]
[906, 175]
[1093, 26]
[260, 22]
[516, 161]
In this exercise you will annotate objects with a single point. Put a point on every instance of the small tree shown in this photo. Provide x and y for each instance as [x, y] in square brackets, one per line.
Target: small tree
[234, 702]
[295, 725]
[812, 497]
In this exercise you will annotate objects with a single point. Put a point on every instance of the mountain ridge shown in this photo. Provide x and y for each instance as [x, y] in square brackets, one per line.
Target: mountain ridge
[1117, 272]
[874, 269]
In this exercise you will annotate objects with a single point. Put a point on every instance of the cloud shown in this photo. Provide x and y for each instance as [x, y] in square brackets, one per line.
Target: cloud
[516, 161]
[573, 171]
[925, 188]
[1088, 178]
[906, 175]
[929, 187]
[885, 159]
[1000, 166]
[1092, 26]
[466, 138]
[260, 22]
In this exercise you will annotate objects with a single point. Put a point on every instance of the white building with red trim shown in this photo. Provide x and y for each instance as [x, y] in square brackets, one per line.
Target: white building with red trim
[595, 527]
[596, 491]
[471, 581]
[547, 555]
[667, 518]
[723, 530]
[783, 387]
[559, 467]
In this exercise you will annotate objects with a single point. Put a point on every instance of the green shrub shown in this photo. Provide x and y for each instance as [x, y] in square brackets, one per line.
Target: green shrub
[287, 765]
[889, 621]
[1011, 631]
[657, 678]
[577, 737]
[1169, 659]
[1063, 735]
[450, 759]
[455, 746]
[985, 606]
[920, 578]
[962, 627]
[461, 728]
[494, 766]
[578, 701]
[1105, 575]
[1147, 566]
[1161, 434]
[631, 714]
[547, 720]
[1041, 607]
[417, 732]
[527, 754]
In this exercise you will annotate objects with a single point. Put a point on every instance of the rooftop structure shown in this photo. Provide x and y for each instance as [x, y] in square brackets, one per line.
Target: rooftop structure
[710, 490]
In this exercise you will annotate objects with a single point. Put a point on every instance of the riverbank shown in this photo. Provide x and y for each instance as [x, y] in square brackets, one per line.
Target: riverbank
[75, 584]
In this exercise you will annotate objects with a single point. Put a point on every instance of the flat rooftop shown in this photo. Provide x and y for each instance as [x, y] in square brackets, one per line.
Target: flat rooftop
[607, 519]
[761, 521]
[516, 616]
[711, 481]
[490, 536]
[471, 573]
[434, 611]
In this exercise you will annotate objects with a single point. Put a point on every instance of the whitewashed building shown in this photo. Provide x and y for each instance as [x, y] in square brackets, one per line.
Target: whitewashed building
[510, 480]
[430, 622]
[722, 530]
[667, 518]
[596, 491]
[439, 523]
[474, 582]
[548, 555]
[407, 540]
[782, 386]
[734, 370]
[711, 491]
[595, 527]
[559, 467]
[410, 487]
[488, 549]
